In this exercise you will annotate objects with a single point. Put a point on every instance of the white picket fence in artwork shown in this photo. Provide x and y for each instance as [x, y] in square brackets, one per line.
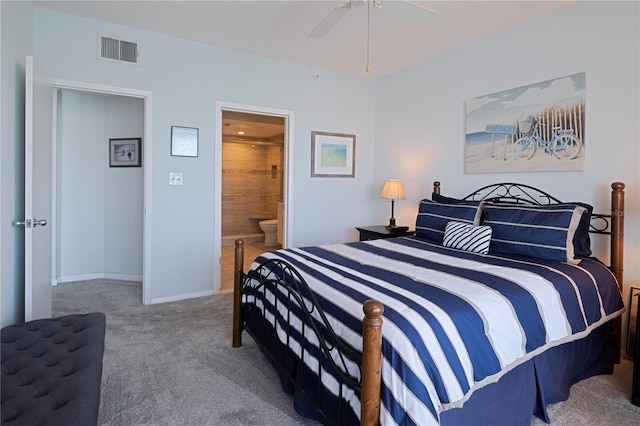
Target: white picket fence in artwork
[568, 117]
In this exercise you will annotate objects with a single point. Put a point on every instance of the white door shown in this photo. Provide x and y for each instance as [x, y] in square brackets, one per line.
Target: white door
[37, 193]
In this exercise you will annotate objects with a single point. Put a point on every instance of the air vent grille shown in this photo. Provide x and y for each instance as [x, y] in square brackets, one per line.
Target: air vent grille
[110, 48]
[113, 49]
[128, 51]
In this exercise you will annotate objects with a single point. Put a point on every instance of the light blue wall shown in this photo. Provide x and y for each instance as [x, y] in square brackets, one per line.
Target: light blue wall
[80, 185]
[16, 40]
[123, 192]
[186, 79]
[420, 112]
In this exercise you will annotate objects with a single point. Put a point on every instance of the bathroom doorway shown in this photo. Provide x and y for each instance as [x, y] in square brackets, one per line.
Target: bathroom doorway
[253, 185]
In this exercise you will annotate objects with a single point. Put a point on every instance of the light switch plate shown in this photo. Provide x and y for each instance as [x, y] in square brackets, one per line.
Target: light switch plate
[175, 178]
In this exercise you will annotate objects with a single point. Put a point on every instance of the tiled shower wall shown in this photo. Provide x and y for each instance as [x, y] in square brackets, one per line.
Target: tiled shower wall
[251, 186]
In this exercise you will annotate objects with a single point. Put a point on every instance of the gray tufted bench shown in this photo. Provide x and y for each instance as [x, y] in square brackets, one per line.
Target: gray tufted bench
[52, 370]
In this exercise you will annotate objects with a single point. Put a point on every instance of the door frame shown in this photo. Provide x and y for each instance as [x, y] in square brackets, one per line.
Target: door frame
[289, 126]
[147, 97]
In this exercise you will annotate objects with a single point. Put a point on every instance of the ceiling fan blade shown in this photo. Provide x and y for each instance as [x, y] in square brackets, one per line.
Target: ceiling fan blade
[410, 11]
[330, 21]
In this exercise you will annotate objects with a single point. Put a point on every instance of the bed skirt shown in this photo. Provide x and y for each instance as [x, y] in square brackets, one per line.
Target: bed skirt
[543, 380]
[523, 392]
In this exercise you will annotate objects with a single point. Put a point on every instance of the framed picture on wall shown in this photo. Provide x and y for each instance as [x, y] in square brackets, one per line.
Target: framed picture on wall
[184, 141]
[333, 155]
[125, 152]
[539, 127]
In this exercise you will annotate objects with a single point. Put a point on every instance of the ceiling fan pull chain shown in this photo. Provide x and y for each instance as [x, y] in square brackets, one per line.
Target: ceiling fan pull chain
[368, 32]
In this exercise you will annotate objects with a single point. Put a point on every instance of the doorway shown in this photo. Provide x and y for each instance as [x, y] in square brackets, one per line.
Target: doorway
[146, 98]
[99, 187]
[253, 147]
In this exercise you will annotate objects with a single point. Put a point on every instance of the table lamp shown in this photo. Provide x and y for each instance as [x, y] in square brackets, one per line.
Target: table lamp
[392, 190]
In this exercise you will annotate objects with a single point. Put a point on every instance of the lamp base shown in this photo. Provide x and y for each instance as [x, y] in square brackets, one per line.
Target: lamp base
[392, 223]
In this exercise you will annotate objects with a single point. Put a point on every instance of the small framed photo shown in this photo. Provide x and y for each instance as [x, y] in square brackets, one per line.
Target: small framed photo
[333, 155]
[184, 141]
[125, 152]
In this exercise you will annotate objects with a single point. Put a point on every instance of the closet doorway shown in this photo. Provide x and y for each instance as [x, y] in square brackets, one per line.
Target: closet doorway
[254, 148]
[88, 101]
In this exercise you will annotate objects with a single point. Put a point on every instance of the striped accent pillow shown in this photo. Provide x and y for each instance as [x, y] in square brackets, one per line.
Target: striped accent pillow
[543, 232]
[433, 217]
[467, 237]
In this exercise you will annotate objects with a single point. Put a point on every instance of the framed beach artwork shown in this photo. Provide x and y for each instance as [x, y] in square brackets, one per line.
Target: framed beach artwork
[333, 154]
[534, 128]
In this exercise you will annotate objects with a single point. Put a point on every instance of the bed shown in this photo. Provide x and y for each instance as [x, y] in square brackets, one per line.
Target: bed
[489, 313]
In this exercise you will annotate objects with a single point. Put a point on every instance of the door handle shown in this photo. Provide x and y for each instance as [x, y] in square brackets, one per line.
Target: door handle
[41, 222]
[28, 223]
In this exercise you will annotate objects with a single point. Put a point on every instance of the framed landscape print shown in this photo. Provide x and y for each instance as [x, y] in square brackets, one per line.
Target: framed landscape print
[332, 154]
[535, 128]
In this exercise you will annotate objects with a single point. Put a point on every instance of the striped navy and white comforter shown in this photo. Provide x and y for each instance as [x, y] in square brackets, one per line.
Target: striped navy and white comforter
[453, 321]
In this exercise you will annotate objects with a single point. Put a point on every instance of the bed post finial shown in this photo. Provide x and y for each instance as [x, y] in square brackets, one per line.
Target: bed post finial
[371, 362]
[436, 187]
[617, 252]
[238, 266]
[617, 230]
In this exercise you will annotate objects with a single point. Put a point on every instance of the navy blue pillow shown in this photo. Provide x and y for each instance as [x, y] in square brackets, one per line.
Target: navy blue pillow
[442, 199]
[581, 240]
[433, 217]
[544, 232]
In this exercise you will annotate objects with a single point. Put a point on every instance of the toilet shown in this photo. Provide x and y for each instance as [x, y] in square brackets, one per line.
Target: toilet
[270, 229]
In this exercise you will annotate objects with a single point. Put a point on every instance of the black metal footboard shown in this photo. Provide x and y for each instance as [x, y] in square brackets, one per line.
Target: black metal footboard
[286, 320]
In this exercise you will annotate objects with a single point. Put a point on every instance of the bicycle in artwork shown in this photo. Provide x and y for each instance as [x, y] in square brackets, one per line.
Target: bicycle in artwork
[564, 144]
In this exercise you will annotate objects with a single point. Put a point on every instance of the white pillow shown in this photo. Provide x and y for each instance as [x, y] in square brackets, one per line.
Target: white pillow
[467, 237]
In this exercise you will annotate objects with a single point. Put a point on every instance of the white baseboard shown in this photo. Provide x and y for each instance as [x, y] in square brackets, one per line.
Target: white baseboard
[182, 297]
[84, 277]
[137, 278]
[87, 277]
[123, 277]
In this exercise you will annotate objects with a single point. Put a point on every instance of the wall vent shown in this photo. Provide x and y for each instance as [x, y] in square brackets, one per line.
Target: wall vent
[113, 49]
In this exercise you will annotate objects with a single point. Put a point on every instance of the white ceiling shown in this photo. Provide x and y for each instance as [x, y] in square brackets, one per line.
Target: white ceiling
[280, 29]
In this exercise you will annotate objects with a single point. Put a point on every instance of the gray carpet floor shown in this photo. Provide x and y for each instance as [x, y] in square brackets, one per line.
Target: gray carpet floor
[173, 364]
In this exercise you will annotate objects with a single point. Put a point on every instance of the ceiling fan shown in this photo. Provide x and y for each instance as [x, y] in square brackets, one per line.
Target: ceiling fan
[402, 8]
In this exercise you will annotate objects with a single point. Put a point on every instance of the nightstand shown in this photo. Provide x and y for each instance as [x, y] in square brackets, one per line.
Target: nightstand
[377, 232]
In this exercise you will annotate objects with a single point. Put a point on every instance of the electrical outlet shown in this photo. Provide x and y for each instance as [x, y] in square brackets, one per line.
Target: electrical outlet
[175, 178]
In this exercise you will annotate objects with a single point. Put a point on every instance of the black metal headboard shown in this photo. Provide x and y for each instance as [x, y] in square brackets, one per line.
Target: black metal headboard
[518, 193]
[515, 193]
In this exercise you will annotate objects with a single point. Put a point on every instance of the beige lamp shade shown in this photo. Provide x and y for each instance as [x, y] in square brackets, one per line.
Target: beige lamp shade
[392, 190]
